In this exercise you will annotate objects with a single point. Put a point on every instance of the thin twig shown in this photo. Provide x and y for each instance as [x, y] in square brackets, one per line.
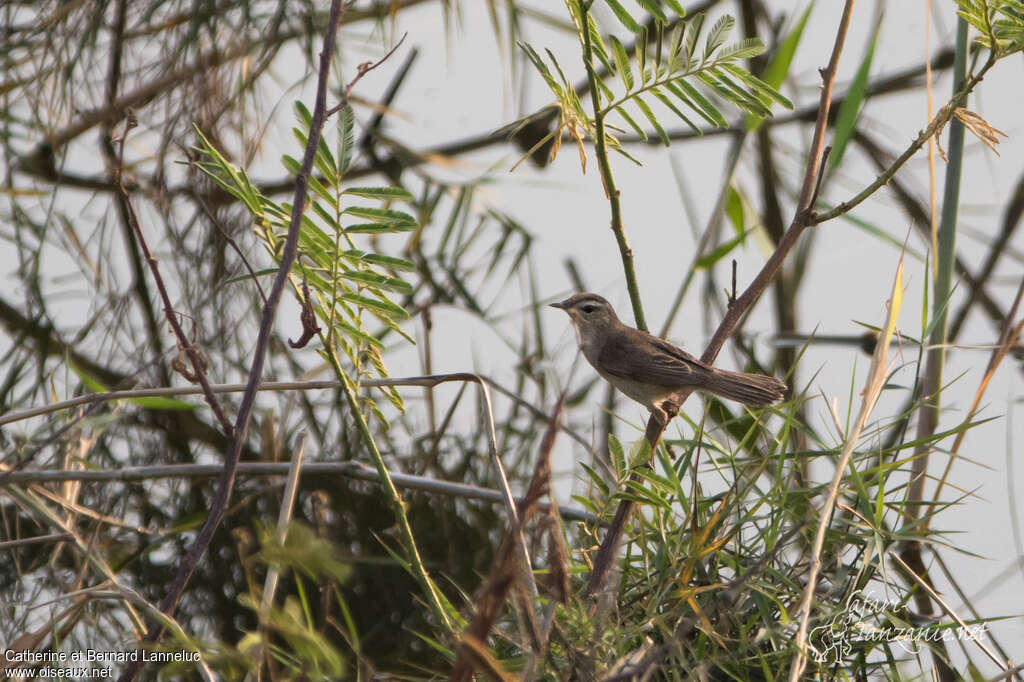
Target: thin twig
[944, 116]
[284, 517]
[348, 469]
[894, 83]
[924, 584]
[872, 389]
[428, 381]
[37, 540]
[238, 432]
[506, 573]
[1007, 338]
[362, 70]
[187, 345]
[607, 179]
[115, 164]
[802, 218]
[821, 176]
[44, 514]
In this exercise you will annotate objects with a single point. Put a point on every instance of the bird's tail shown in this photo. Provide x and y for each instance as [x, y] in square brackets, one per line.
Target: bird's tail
[749, 389]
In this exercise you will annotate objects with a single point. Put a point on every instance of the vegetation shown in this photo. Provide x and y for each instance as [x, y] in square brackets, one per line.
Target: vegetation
[207, 459]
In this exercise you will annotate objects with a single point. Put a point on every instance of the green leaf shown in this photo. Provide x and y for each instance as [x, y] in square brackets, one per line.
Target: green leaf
[734, 210]
[676, 7]
[623, 16]
[597, 480]
[745, 49]
[622, 63]
[225, 174]
[161, 403]
[617, 455]
[731, 92]
[654, 10]
[664, 99]
[384, 216]
[632, 124]
[324, 162]
[377, 280]
[675, 46]
[640, 49]
[763, 91]
[379, 228]
[699, 103]
[654, 121]
[778, 69]
[620, 150]
[543, 69]
[346, 137]
[321, 191]
[389, 262]
[718, 34]
[558, 67]
[693, 28]
[849, 110]
[383, 309]
[719, 253]
[246, 277]
[147, 402]
[386, 193]
[303, 114]
[359, 335]
[326, 216]
[291, 164]
[597, 43]
[322, 159]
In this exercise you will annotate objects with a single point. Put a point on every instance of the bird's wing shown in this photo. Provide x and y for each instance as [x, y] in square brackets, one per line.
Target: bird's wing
[657, 362]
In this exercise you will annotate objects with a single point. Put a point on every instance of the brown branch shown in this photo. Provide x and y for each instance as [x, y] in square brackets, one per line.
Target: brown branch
[48, 343]
[922, 223]
[608, 552]
[114, 171]
[505, 575]
[362, 70]
[1011, 220]
[114, 112]
[238, 432]
[191, 351]
[350, 469]
[934, 127]
[802, 219]
[898, 82]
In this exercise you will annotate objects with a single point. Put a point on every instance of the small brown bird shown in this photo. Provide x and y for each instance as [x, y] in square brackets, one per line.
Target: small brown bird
[651, 370]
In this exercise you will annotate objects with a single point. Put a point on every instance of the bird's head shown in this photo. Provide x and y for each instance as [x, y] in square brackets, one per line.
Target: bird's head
[588, 312]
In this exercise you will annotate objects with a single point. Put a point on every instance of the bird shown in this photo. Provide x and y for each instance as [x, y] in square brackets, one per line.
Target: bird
[653, 371]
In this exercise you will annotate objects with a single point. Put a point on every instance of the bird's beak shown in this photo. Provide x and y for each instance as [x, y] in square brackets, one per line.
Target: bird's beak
[560, 305]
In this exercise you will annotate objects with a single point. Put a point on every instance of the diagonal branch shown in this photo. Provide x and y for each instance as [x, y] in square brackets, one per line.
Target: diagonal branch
[289, 253]
[801, 220]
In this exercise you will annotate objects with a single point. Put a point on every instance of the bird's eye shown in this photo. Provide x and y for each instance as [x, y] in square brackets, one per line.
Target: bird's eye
[589, 308]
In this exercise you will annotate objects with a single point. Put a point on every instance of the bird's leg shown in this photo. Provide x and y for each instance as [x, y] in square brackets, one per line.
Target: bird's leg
[668, 409]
